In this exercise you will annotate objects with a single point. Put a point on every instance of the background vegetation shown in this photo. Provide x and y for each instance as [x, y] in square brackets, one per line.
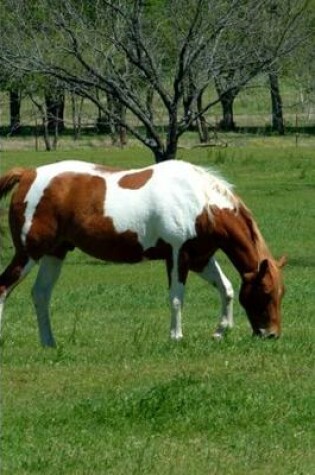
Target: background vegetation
[156, 70]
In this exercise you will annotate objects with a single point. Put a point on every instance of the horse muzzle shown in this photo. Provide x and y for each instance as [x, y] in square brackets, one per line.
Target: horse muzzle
[267, 334]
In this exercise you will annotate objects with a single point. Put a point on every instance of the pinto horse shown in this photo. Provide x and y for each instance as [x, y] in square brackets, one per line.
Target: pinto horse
[173, 211]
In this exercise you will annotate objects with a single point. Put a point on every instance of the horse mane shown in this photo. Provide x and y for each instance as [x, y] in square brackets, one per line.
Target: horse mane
[255, 234]
[215, 181]
[226, 189]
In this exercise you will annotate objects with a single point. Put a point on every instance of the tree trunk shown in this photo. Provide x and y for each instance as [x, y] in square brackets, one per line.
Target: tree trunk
[122, 132]
[43, 112]
[201, 122]
[227, 122]
[188, 100]
[162, 153]
[15, 109]
[76, 114]
[159, 155]
[55, 104]
[111, 122]
[172, 137]
[276, 104]
[149, 104]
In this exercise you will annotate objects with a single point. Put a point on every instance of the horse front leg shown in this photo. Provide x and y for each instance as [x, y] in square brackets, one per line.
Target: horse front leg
[213, 274]
[47, 277]
[177, 274]
[176, 303]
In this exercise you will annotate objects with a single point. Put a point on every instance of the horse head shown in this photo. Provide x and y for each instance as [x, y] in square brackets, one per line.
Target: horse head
[261, 295]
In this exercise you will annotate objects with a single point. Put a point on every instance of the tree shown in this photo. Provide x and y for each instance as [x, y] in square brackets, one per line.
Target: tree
[277, 122]
[55, 104]
[15, 108]
[48, 100]
[227, 94]
[131, 50]
[300, 67]
[276, 18]
[14, 90]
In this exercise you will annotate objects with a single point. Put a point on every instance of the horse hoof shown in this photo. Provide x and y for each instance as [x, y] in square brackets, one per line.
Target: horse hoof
[176, 337]
[217, 336]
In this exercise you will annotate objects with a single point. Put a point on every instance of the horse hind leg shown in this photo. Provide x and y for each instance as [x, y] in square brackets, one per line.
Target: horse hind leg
[213, 274]
[18, 268]
[177, 274]
[48, 274]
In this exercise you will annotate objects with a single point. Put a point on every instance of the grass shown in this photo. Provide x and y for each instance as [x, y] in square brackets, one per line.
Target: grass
[117, 397]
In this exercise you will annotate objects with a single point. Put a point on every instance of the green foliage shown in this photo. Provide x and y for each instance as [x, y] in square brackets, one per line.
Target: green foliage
[118, 397]
[150, 63]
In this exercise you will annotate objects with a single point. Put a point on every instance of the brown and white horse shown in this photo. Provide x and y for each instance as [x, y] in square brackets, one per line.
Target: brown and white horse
[173, 211]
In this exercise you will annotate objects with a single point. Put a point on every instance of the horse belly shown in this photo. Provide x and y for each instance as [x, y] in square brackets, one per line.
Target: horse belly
[98, 238]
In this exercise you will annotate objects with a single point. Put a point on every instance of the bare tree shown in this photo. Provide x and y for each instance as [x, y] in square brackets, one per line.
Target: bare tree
[55, 104]
[277, 122]
[280, 28]
[76, 112]
[15, 109]
[132, 50]
[14, 89]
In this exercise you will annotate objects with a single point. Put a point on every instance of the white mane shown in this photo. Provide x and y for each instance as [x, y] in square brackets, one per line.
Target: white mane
[215, 184]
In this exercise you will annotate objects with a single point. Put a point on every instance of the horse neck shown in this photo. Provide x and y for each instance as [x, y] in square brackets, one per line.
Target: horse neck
[243, 242]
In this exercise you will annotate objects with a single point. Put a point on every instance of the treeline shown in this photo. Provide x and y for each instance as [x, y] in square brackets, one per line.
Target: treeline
[139, 61]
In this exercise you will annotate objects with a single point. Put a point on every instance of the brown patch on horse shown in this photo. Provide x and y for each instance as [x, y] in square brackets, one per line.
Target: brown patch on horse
[134, 181]
[71, 214]
[238, 237]
[196, 252]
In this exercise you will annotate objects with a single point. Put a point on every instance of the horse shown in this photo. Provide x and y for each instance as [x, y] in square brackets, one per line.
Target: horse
[173, 211]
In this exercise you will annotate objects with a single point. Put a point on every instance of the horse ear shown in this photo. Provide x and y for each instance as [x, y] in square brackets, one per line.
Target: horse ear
[263, 268]
[282, 262]
[257, 275]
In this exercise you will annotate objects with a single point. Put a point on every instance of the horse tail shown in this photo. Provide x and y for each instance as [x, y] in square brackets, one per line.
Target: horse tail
[7, 183]
[9, 180]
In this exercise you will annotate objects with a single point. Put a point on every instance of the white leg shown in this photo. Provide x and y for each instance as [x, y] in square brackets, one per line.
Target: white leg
[213, 273]
[177, 290]
[47, 276]
[176, 300]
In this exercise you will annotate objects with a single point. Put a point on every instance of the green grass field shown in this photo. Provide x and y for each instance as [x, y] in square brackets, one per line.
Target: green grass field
[117, 397]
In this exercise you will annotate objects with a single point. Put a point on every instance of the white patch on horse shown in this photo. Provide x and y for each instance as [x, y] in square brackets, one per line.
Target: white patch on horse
[44, 175]
[167, 206]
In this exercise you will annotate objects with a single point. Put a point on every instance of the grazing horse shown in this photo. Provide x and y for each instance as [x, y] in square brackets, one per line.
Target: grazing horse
[173, 211]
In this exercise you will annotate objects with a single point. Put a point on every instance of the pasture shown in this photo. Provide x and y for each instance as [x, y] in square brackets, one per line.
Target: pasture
[118, 397]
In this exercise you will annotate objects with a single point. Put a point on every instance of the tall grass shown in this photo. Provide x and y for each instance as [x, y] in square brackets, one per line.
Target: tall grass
[117, 397]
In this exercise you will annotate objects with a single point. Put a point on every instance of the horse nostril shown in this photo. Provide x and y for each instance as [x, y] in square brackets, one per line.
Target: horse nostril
[272, 335]
[263, 333]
